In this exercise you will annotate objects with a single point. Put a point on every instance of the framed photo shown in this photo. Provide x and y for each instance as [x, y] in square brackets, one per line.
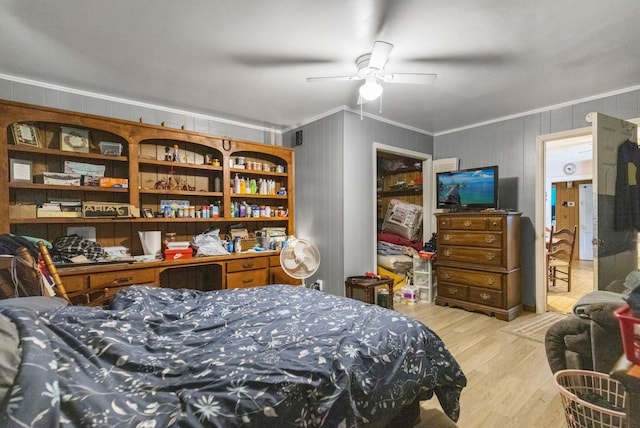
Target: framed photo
[74, 140]
[21, 170]
[146, 212]
[26, 134]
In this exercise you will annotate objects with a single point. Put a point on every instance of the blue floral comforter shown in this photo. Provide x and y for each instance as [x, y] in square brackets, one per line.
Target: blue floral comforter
[271, 356]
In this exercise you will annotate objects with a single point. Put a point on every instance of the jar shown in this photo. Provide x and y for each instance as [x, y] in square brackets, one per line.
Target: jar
[279, 168]
[383, 298]
[240, 160]
[216, 162]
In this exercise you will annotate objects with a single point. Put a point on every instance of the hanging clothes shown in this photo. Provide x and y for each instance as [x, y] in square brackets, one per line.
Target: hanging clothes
[627, 199]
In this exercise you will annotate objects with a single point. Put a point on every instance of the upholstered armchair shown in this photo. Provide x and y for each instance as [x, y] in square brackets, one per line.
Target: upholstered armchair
[590, 341]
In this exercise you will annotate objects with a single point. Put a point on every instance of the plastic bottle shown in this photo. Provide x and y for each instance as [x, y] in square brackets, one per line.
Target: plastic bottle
[216, 184]
[253, 186]
[243, 187]
[236, 185]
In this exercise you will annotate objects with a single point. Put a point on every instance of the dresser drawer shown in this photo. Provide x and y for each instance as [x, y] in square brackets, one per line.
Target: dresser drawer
[469, 223]
[482, 256]
[247, 264]
[471, 239]
[250, 278]
[454, 291]
[75, 282]
[471, 277]
[122, 278]
[485, 296]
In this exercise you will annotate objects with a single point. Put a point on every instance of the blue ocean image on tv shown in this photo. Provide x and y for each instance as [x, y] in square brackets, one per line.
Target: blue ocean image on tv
[474, 187]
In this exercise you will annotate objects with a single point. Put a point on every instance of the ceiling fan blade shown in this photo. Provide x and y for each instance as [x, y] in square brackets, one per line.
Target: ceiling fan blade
[411, 78]
[380, 54]
[332, 78]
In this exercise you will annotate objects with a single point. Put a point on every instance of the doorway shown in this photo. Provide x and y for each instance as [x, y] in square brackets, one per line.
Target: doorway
[402, 175]
[568, 165]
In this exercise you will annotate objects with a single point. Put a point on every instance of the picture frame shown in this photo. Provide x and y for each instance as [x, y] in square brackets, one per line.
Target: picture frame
[146, 212]
[74, 140]
[20, 170]
[26, 134]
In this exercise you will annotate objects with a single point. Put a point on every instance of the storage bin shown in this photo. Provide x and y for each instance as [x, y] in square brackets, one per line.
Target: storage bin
[630, 332]
[580, 390]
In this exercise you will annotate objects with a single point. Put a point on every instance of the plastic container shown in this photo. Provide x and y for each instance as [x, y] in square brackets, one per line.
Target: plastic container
[630, 331]
[576, 386]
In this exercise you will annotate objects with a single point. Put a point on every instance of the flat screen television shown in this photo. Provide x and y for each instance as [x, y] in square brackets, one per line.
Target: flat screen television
[468, 189]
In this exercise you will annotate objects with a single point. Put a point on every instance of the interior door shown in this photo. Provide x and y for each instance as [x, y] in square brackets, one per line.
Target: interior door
[615, 251]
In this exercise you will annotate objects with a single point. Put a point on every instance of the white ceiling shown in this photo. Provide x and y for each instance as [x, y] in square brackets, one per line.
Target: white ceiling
[249, 60]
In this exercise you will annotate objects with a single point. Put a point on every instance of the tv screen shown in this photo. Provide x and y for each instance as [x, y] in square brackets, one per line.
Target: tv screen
[473, 188]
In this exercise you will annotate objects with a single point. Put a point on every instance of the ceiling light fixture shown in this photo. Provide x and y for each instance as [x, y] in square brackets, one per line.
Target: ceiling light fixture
[371, 88]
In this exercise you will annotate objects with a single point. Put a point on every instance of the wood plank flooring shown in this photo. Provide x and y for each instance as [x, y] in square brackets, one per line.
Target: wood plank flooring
[558, 299]
[509, 381]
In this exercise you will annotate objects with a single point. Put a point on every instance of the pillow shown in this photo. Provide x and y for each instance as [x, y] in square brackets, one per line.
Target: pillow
[35, 303]
[399, 240]
[403, 219]
[9, 356]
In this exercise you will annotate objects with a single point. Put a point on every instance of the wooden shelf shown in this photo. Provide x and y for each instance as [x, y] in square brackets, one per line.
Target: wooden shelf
[27, 185]
[66, 154]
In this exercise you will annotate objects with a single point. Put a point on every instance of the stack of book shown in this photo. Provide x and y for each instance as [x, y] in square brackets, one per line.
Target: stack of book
[62, 208]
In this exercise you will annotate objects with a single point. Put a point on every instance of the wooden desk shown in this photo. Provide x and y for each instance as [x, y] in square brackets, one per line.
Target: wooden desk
[628, 374]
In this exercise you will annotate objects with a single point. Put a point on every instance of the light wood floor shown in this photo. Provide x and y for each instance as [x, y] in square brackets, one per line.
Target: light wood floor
[509, 381]
[558, 299]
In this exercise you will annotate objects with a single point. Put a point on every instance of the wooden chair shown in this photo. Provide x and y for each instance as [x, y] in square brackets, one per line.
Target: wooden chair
[560, 256]
[48, 262]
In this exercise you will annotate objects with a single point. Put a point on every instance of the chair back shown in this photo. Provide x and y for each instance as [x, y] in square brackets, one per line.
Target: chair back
[562, 243]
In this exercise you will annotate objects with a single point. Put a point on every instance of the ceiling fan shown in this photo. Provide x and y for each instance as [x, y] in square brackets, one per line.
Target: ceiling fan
[371, 70]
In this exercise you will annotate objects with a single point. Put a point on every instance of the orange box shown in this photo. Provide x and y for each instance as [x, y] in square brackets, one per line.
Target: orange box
[183, 253]
[114, 182]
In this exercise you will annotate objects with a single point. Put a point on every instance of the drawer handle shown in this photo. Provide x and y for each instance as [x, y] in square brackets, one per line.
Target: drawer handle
[489, 256]
[490, 239]
[247, 280]
[491, 281]
[467, 223]
[123, 280]
[495, 223]
[446, 237]
[453, 290]
[247, 265]
[448, 252]
[485, 296]
[447, 275]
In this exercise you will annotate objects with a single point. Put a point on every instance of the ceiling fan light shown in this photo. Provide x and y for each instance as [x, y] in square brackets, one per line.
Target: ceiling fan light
[371, 90]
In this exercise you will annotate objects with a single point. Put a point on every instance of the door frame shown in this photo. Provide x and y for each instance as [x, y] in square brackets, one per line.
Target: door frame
[541, 140]
[540, 209]
[427, 189]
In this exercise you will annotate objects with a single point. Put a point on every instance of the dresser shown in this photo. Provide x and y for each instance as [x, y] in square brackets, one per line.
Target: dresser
[479, 265]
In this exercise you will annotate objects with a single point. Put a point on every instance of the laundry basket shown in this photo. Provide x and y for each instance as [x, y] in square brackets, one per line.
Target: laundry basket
[591, 399]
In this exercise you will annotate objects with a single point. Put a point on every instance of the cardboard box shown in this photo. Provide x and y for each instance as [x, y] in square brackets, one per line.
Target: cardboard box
[98, 209]
[183, 253]
[114, 182]
[22, 211]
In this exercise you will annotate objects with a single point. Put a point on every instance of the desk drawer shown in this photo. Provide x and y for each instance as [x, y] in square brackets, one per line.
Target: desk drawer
[122, 278]
[247, 264]
[252, 278]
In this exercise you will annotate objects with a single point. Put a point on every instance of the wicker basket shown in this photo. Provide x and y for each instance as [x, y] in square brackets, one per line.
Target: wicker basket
[578, 385]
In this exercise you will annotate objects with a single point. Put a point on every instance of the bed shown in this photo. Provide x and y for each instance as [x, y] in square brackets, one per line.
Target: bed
[267, 356]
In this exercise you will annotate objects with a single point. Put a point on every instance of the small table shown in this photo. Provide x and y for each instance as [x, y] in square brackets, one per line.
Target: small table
[368, 285]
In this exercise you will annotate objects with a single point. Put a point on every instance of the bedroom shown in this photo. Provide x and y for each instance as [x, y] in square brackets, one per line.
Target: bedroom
[334, 160]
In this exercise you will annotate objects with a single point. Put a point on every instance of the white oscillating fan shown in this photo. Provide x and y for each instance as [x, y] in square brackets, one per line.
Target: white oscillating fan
[300, 259]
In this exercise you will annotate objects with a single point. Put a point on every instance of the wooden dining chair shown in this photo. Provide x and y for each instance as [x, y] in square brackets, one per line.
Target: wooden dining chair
[560, 256]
